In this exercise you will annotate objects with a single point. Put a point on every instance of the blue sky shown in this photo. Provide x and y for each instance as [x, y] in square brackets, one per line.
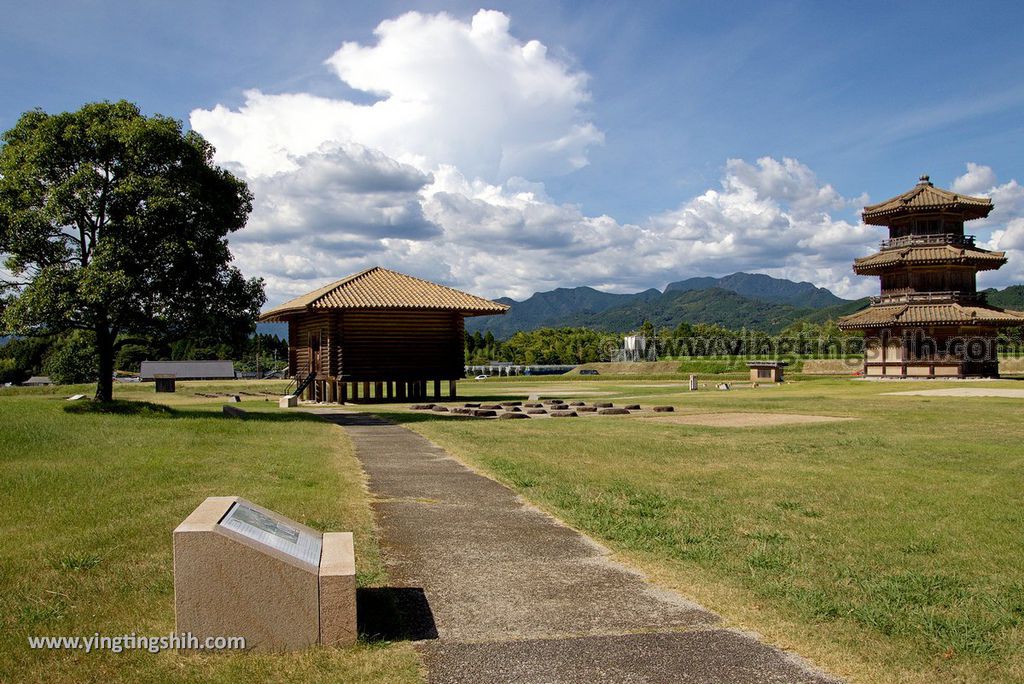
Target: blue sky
[605, 174]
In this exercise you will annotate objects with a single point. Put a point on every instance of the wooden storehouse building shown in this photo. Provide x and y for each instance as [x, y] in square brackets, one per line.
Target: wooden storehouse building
[378, 335]
[929, 319]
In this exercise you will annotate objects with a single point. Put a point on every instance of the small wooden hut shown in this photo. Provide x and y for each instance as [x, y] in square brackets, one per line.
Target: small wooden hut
[767, 371]
[378, 335]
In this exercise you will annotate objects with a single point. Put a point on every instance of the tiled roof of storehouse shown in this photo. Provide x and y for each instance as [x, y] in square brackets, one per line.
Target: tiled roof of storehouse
[924, 198]
[920, 256]
[381, 288]
[929, 314]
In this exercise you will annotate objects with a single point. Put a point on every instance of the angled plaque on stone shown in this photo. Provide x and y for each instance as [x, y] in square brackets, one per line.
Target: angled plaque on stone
[270, 531]
[243, 570]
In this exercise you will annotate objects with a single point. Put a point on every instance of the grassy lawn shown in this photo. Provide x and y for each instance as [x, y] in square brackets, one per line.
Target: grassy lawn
[886, 548]
[89, 502]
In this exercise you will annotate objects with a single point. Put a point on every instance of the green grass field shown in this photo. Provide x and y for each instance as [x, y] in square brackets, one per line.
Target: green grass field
[89, 502]
[886, 548]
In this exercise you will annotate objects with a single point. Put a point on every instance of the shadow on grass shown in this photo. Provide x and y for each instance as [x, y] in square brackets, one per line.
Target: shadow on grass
[119, 407]
[146, 409]
[385, 417]
[394, 614]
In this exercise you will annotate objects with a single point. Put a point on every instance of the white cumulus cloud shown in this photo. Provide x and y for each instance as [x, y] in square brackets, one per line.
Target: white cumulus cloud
[1003, 229]
[438, 177]
[450, 92]
[977, 179]
[772, 216]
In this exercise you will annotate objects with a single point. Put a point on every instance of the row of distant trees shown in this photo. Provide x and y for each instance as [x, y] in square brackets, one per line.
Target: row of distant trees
[581, 345]
[70, 359]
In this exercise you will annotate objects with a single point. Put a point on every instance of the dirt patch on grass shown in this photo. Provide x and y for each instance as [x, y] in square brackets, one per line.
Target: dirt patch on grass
[744, 420]
[964, 392]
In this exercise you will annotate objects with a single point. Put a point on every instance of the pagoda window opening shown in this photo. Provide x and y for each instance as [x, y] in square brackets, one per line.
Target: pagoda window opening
[930, 281]
[953, 227]
[895, 282]
[902, 229]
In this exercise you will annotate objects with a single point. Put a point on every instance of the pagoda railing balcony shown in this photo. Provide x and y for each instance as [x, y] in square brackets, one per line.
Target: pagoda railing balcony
[930, 298]
[929, 240]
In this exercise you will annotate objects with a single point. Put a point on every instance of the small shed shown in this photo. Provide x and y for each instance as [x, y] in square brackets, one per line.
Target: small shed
[766, 371]
[378, 335]
[164, 382]
[188, 370]
[37, 381]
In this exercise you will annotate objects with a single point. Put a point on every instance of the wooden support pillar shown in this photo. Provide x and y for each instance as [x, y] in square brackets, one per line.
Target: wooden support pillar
[451, 389]
[343, 387]
[389, 389]
[332, 391]
[437, 389]
[378, 392]
[366, 390]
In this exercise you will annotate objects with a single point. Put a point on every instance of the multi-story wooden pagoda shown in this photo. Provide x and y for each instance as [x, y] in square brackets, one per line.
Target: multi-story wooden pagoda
[929, 320]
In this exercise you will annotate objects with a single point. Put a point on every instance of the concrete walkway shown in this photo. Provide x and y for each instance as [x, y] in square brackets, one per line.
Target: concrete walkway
[501, 592]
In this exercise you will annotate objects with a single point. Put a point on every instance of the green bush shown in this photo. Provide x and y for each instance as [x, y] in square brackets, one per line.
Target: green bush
[72, 359]
[10, 372]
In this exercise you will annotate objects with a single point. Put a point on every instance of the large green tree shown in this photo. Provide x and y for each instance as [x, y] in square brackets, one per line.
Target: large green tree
[116, 223]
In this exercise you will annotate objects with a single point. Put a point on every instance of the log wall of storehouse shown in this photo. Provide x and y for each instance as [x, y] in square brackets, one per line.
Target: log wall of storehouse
[407, 345]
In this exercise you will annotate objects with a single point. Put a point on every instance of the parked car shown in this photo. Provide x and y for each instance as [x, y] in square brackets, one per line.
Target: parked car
[589, 371]
[481, 377]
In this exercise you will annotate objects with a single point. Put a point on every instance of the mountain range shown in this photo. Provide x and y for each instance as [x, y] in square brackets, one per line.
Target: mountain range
[751, 300]
[1011, 297]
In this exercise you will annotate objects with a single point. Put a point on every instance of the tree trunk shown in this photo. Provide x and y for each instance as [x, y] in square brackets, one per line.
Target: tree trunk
[105, 351]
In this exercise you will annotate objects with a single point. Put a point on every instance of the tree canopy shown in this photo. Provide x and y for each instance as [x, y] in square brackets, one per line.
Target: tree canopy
[116, 223]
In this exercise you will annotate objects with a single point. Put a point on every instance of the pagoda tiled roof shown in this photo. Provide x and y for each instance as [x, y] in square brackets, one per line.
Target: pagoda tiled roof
[926, 255]
[908, 315]
[926, 198]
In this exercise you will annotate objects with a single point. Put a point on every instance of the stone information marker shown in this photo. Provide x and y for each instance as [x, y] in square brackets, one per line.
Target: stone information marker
[243, 570]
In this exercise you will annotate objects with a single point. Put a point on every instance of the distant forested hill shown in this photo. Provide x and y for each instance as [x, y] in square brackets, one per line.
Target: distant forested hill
[765, 288]
[1009, 298]
[714, 305]
[739, 300]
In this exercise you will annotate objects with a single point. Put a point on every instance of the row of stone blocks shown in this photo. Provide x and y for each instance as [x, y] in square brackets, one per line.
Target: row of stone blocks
[556, 408]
